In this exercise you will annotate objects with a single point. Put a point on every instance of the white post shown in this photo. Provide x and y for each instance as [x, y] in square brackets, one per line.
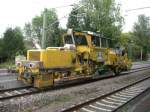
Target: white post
[141, 54]
[44, 29]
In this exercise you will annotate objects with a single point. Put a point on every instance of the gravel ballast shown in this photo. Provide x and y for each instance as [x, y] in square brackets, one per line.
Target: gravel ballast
[57, 99]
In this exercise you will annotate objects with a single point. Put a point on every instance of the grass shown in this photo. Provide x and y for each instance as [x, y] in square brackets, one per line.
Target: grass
[7, 64]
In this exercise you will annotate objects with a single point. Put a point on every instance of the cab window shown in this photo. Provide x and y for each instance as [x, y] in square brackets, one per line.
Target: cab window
[110, 43]
[104, 42]
[68, 39]
[80, 40]
[96, 41]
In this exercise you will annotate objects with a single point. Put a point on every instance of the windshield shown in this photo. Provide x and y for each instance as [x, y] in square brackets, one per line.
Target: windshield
[68, 39]
[80, 40]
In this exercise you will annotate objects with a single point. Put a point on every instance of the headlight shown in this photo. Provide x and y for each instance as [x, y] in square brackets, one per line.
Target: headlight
[19, 60]
[34, 64]
[18, 64]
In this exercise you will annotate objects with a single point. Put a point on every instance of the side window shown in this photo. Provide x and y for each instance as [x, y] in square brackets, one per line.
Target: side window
[110, 43]
[68, 39]
[104, 42]
[96, 41]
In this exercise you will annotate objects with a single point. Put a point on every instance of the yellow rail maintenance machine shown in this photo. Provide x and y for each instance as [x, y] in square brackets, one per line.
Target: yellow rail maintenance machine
[84, 55]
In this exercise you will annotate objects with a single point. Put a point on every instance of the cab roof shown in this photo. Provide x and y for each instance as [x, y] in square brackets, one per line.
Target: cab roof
[95, 34]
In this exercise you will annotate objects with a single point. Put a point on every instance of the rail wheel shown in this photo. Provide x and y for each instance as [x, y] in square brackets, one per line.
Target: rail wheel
[117, 70]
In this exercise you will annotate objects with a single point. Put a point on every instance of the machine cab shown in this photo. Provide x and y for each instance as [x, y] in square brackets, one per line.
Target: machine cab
[75, 38]
[99, 41]
[87, 38]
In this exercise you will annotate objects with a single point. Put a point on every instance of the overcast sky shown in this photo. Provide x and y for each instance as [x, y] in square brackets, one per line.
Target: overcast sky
[18, 12]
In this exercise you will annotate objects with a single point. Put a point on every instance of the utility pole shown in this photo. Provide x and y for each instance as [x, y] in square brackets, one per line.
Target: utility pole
[141, 54]
[44, 29]
[130, 50]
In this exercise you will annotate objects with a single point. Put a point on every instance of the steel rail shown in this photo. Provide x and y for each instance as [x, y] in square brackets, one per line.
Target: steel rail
[17, 93]
[77, 107]
[55, 87]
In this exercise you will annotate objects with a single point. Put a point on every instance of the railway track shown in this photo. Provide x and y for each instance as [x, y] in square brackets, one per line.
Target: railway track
[113, 101]
[17, 92]
[28, 90]
[135, 70]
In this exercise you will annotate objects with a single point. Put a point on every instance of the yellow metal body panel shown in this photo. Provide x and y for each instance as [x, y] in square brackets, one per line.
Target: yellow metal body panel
[82, 49]
[52, 58]
[111, 57]
[43, 80]
[33, 55]
[98, 54]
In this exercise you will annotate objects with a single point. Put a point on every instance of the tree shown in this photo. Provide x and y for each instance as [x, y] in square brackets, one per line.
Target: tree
[37, 25]
[99, 16]
[13, 43]
[1, 49]
[28, 31]
[141, 34]
[73, 19]
[1, 45]
[35, 28]
[125, 38]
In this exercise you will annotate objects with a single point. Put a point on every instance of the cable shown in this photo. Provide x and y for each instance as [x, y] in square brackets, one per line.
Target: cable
[79, 15]
[63, 17]
[137, 9]
[62, 6]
